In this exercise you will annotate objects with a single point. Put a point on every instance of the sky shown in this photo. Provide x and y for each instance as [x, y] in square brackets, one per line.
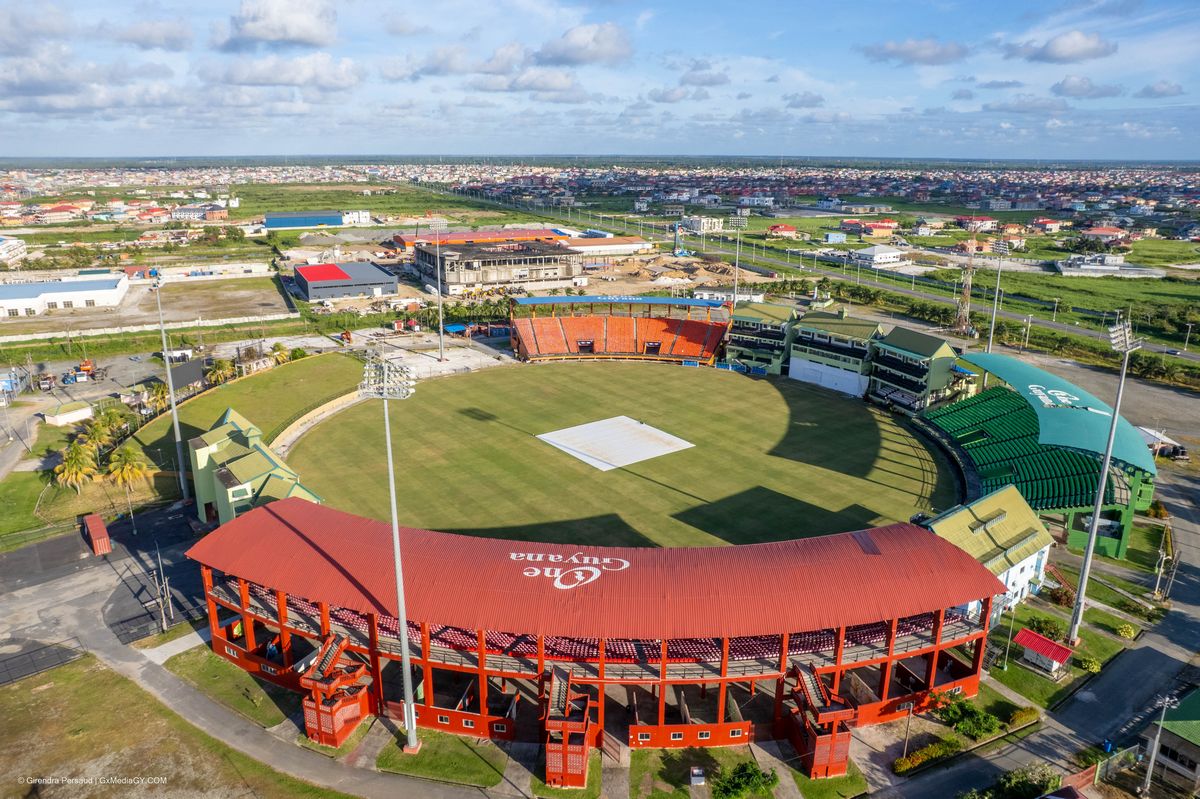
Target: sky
[1056, 79]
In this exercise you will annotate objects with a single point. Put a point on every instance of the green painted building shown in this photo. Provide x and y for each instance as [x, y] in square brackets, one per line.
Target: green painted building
[1178, 760]
[234, 471]
[833, 349]
[760, 335]
[912, 369]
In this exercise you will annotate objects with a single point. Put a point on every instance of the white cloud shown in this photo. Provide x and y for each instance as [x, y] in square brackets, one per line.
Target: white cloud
[1082, 87]
[1162, 88]
[23, 27]
[505, 59]
[596, 43]
[804, 100]
[1066, 48]
[1000, 84]
[643, 19]
[532, 79]
[306, 23]
[672, 94]
[916, 51]
[701, 74]
[962, 94]
[317, 71]
[161, 34]
[403, 26]
[1028, 104]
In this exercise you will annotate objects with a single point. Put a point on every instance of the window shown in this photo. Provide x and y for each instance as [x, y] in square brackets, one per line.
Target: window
[443, 719]
[676, 736]
[1176, 756]
[231, 651]
[90, 303]
[269, 669]
[735, 733]
[31, 312]
[14, 311]
[469, 724]
[68, 304]
[955, 690]
[500, 727]
[643, 736]
[50, 306]
[704, 735]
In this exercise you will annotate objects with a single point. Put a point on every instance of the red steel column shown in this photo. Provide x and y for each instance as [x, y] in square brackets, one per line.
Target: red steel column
[285, 637]
[213, 627]
[781, 683]
[601, 693]
[247, 622]
[724, 680]
[427, 668]
[481, 640]
[662, 686]
[324, 608]
[839, 649]
[885, 673]
[376, 668]
[931, 669]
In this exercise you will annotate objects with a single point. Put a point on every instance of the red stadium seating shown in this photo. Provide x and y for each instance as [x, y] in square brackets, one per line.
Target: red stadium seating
[618, 337]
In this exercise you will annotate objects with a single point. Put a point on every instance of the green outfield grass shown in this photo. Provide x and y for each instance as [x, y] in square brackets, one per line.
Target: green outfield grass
[773, 459]
[268, 399]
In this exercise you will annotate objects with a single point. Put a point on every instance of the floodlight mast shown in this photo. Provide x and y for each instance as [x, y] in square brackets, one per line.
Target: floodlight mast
[437, 229]
[180, 464]
[384, 381]
[1121, 338]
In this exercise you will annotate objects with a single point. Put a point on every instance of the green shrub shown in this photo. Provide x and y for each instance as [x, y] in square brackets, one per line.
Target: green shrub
[1127, 631]
[1090, 665]
[1024, 715]
[967, 718]
[934, 751]
[1051, 628]
[744, 779]
[1058, 595]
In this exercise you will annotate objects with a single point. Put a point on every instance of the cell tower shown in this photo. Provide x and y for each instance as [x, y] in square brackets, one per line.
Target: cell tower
[962, 318]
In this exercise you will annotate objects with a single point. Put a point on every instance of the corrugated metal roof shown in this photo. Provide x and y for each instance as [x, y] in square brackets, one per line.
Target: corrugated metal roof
[999, 530]
[916, 342]
[320, 273]
[1039, 643]
[327, 555]
[1184, 720]
[1067, 415]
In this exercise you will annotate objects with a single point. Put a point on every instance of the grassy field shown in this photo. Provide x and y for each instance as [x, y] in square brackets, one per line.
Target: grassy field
[1100, 588]
[663, 773]
[83, 720]
[449, 758]
[261, 702]
[1144, 541]
[851, 785]
[1164, 252]
[257, 199]
[773, 459]
[992, 701]
[268, 399]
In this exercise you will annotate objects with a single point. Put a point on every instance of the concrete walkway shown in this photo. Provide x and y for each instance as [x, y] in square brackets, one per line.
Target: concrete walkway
[164, 652]
[772, 756]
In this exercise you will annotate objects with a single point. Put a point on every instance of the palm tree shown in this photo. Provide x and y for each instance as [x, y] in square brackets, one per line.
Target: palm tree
[159, 396]
[280, 353]
[222, 370]
[96, 435]
[78, 465]
[125, 467]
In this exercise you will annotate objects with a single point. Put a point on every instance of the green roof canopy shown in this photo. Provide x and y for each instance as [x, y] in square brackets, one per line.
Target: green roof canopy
[1067, 415]
[1184, 720]
[840, 324]
[764, 312]
[999, 530]
[917, 343]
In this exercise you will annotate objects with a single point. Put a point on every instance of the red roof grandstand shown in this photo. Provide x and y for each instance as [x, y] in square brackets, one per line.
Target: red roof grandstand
[1036, 642]
[326, 555]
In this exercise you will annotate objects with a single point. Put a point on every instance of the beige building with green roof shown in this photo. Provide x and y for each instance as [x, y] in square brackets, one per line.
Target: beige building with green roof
[833, 349]
[1004, 533]
[234, 471]
[912, 369]
[760, 335]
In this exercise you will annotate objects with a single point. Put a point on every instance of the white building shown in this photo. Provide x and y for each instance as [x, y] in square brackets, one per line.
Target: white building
[350, 218]
[11, 250]
[757, 201]
[878, 256]
[32, 299]
[725, 295]
[610, 245]
[703, 224]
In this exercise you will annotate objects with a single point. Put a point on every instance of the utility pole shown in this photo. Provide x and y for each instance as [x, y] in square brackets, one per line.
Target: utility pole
[437, 229]
[180, 464]
[1166, 703]
[1187, 338]
[1122, 340]
[1054, 316]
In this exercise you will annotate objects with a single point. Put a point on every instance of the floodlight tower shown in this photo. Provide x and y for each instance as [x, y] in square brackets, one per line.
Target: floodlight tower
[962, 317]
[181, 464]
[437, 229]
[384, 381]
[1121, 338]
[1165, 703]
[737, 222]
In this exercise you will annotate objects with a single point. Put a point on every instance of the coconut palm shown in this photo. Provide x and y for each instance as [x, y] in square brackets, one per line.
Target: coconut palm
[126, 466]
[78, 465]
[221, 370]
[159, 396]
[96, 435]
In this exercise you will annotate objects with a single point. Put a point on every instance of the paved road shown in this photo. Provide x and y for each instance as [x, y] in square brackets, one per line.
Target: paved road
[1115, 704]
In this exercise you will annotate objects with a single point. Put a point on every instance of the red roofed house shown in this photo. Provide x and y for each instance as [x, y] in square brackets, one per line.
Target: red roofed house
[976, 224]
[1046, 225]
[783, 231]
[1104, 234]
[1040, 651]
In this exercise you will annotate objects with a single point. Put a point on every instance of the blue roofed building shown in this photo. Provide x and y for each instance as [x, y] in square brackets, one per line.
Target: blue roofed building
[70, 293]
